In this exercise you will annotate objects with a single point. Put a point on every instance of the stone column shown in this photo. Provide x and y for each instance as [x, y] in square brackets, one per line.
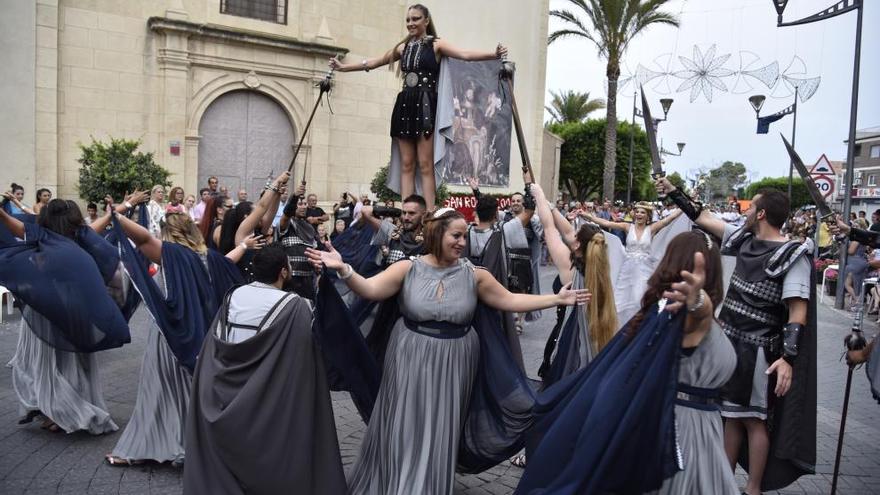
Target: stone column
[46, 101]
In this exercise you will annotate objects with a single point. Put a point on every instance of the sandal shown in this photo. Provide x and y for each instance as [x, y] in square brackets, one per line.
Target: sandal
[50, 425]
[120, 462]
[518, 460]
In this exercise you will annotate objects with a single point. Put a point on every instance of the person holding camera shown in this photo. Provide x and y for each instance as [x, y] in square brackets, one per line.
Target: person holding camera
[397, 241]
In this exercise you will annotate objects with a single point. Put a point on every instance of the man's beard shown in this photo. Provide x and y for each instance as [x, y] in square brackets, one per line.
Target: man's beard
[516, 210]
[409, 226]
[751, 225]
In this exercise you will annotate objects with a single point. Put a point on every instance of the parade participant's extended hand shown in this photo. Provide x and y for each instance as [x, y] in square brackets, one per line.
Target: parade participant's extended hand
[663, 186]
[301, 190]
[473, 182]
[783, 376]
[568, 297]
[329, 258]
[500, 51]
[282, 179]
[687, 292]
[255, 241]
[839, 227]
[854, 358]
[334, 63]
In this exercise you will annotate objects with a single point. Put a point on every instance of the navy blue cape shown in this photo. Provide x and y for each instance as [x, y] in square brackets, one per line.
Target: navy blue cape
[194, 293]
[64, 282]
[610, 427]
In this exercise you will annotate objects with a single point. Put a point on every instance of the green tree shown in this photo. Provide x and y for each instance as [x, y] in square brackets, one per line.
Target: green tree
[383, 192]
[610, 25]
[572, 106]
[117, 168]
[724, 180]
[580, 163]
[677, 180]
[799, 194]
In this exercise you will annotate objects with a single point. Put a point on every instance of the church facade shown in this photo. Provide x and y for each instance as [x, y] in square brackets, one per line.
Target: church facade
[225, 87]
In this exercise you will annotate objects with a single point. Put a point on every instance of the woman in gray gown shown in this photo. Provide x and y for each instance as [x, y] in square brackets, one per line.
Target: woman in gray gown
[706, 362]
[63, 387]
[411, 444]
[155, 431]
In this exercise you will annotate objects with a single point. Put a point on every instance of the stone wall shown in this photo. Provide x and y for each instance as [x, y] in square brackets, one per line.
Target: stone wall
[148, 70]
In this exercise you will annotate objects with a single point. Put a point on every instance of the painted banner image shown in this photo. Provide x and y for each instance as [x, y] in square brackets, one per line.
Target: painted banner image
[481, 125]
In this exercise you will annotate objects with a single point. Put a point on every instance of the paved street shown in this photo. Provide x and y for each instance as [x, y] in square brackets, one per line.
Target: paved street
[35, 461]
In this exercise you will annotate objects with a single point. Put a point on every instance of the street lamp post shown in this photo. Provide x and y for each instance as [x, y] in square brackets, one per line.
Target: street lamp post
[839, 7]
[757, 101]
[666, 104]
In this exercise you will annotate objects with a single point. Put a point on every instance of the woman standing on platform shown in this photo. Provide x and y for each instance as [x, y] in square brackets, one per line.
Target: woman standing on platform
[412, 121]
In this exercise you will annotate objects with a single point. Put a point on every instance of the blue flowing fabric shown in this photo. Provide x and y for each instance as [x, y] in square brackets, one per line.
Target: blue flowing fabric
[501, 401]
[610, 428]
[6, 236]
[354, 246]
[349, 364]
[194, 293]
[64, 282]
[566, 346]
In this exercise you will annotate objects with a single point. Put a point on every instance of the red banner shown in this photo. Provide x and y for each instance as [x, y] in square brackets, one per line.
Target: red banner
[465, 203]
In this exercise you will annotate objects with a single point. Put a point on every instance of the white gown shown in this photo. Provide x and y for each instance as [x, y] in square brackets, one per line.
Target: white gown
[631, 282]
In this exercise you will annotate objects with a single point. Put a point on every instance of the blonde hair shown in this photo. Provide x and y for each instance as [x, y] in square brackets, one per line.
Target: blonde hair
[601, 310]
[179, 228]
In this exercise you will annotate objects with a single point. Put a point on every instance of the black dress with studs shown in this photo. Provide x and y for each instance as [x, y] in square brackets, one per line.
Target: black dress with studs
[416, 104]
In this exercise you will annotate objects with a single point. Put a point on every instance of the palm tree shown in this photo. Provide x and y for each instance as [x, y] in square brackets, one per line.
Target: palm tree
[571, 106]
[610, 25]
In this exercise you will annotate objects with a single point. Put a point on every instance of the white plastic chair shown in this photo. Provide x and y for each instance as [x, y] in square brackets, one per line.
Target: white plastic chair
[829, 267]
[9, 300]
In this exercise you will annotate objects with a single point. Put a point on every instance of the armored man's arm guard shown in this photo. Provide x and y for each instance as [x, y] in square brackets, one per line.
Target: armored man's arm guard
[791, 336]
[866, 237]
[688, 206]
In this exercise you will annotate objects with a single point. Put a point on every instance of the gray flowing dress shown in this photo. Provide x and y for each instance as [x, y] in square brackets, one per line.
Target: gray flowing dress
[65, 386]
[156, 428]
[411, 443]
[700, 433]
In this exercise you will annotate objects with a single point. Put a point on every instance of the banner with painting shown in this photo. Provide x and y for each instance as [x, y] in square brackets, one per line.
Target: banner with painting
[481, 125]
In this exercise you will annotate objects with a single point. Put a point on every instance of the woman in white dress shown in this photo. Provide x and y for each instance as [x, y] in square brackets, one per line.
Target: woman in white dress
[630, 284]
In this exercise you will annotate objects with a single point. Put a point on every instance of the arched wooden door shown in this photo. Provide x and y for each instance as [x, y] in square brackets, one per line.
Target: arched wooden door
[245, 137]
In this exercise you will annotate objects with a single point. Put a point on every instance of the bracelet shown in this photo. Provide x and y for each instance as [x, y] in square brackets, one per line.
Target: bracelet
[701, 301]
[364, 65]
[271, 187]
[128, 205]
[348, 272]
[243, 245]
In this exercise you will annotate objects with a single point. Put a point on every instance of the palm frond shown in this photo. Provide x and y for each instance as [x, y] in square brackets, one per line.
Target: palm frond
[564, 33]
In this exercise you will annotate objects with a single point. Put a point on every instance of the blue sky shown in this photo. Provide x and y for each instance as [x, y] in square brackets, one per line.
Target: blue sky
[725, 128]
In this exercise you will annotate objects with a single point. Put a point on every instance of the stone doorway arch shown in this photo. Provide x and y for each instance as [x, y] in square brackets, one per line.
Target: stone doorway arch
[244, 137]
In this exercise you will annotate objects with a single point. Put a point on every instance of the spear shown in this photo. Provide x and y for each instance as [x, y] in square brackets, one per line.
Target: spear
[506, 75]
[325, 85]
